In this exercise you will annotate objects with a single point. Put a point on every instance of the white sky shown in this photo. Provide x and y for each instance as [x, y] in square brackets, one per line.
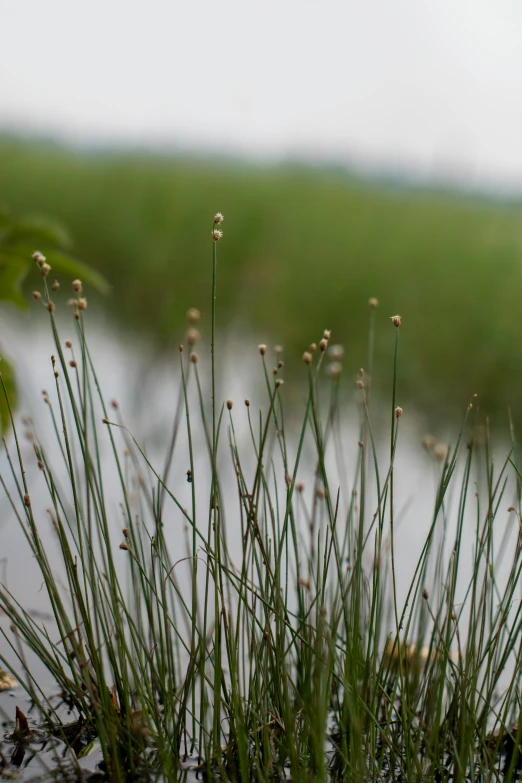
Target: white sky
[432, 85]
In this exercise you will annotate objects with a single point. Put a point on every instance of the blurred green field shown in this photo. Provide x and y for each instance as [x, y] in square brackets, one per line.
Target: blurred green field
[303, 249]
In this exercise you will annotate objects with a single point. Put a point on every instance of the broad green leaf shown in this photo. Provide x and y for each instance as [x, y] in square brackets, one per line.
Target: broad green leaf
[63, 263]
[13, 272]
[6, 225]
[6, 371]
[39, 232]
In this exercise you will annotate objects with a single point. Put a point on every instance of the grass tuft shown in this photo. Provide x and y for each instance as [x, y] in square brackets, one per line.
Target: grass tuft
[259, 632]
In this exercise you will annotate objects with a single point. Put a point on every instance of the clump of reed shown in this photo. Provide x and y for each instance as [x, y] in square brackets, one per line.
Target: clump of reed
[258, 633]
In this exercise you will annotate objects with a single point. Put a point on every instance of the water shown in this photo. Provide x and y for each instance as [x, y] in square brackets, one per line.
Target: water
[147, 393]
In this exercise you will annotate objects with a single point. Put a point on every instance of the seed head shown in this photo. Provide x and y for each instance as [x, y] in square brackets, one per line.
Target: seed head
[425, 594]
[334, 370]
[45, 269]
[192, 336]
[312, 347]
[440, 450]
[51, 306]
[230, 404]
[279, 382]
[55, 286]
[68, 344]
[336, 352]
[398, 412]
[307, 357]
[125, 532]
[323, 345]
[41, 465]
[262, 350]
[218, 219]
[217, 234]
[124, 546]
[82, 303]
[428, 442]
[27, 501]
[39, 257]
[193, 315]
[37, 295]
[247, 403]
[77, 286]
[72, 363]
[396, 320]
[278, 349]
[300, 487]
[374, 303]
[194, 358]
[326, 334]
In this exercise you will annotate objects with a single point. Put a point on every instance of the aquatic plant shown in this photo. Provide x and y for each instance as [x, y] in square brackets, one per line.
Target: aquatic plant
[257, 631]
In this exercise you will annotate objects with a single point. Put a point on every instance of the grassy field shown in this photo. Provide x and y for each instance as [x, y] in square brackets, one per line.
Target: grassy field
[304, 248]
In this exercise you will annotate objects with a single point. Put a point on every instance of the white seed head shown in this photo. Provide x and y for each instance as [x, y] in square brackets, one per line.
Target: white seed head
[440, 450]
[336, 352]
[192, 336]
[334, 370]
[193, 315]
[428, 442]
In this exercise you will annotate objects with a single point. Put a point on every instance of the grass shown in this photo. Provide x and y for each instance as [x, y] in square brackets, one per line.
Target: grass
[313, 241]
[258, 632]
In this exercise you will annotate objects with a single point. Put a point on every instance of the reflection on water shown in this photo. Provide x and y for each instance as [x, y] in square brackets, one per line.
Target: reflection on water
[148, 392]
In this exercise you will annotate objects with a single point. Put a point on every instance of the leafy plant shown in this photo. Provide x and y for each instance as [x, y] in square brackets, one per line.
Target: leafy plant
[19, 238]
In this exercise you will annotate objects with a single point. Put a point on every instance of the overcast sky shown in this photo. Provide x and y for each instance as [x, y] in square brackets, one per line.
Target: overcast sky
[431, 85]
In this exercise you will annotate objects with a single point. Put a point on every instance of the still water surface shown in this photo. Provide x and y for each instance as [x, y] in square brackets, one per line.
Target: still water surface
[147, 391]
